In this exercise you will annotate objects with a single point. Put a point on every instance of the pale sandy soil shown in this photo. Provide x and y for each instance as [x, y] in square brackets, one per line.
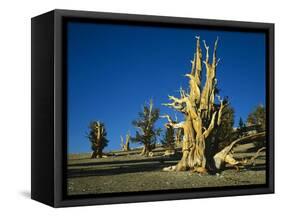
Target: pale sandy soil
[129, 172]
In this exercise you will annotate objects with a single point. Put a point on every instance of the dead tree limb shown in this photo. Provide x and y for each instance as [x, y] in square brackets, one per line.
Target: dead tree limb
[225, 155]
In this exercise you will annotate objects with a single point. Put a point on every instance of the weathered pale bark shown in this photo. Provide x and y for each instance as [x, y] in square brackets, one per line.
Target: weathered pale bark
[252, 160]
[199, 109]
[226, 156]
[125, 146]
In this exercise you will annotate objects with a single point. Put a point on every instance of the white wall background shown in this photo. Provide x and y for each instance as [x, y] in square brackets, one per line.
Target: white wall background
[15, 106]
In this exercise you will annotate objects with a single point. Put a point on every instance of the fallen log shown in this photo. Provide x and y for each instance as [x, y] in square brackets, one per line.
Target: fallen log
[225, 155]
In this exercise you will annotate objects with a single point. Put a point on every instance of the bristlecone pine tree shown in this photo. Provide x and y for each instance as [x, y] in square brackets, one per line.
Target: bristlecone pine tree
[201, 113]
[97, 136]
[125, 145]
[146, 133]
[201, 116]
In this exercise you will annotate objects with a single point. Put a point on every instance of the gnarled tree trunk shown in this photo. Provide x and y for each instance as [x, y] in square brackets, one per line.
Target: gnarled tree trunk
[200, 111]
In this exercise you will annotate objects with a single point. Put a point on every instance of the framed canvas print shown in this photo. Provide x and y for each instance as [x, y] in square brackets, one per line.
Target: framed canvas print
[131, 108]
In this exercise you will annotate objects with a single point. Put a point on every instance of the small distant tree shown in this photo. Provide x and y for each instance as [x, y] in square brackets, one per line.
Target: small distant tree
[258, 117]
[125, 145]
[169, 138]
[147, 133]
[241, 130]
[97, 136]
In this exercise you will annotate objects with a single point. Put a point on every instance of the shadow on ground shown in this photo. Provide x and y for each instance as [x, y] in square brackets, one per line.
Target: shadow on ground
[114, 166]
[133, 166]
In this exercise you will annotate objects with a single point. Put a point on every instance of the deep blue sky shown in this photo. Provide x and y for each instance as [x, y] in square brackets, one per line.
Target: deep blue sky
[114, 69]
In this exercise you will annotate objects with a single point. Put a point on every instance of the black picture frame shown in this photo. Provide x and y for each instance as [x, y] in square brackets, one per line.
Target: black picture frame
[49, 108]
